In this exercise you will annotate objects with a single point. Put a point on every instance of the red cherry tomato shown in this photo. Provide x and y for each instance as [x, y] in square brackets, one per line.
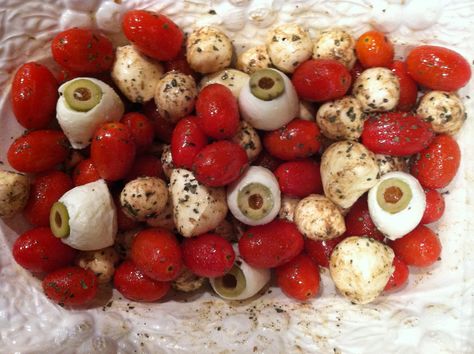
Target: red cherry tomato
[374, 49]
[38, 251]
[408, 87]
[34, 95]
[217, 112]
[359, 223]
[38, 151]
[438, 68]
[271, 245]
[299, 278]
[187, 140]
[142, 129]
[419, 248]
[83, 51]
[396, 133]
[163, 128]
[220, 163]
[437, 165]
[157, 254]
[85, 172]
[146, 166]
[208, 255]
[130, 281]
[434, 207]
[321, 80]
[299, 178]
[113, 150]
[153, 34]
[71, 286]
[298, 139]
[320, 250]
[399, 276]
[46, 189]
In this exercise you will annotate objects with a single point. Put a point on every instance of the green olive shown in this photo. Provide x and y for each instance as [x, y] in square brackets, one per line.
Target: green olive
[267, 84]
[82, 95]
[255, 201]
[231, 284]
[393, 195]
[59, 220]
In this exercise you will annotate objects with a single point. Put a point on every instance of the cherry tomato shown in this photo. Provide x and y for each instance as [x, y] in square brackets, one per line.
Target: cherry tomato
[217, 111]
[321, 80]
[437, 165]
[220, 163]
[146, 166]
[34, 95]
[299, 278]
[39, 251]
[142, 129]
[266, 160]
[408, 87]
[396, 133]
[320, 250]
[359, 223]
[187, 140]
[438, 68]
[83, 51]
[163, 128]
[124, 222]
[38, 151]
[153, 34]
[113, 150]
[434, 206]
[130, 281]
[299, 178]
[271, 245]
[374, 49]
[71, 286]
[46, 189]
[298, 139]
[208, 255]
[85, 172]
[399, 276]
[419, 248]
[157, 254]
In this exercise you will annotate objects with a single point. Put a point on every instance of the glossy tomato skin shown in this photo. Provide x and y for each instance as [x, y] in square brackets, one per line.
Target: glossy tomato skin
[113, 150]
[186, 142]
[299, 278]
[146, 165]
[83, 51]
[438, 68]
[373, 49]
[39, 251]
[46, 189]
[271, 245]
[220, 163]
[321, 80]
[157, 254]
[320, 250]
[408, 87]
[298, 139]
[208, 255]
[71, 286]
[142, 129]
[437, 165]
[153, 34]
[434, 206]
[85, 172]
[359, 223]
[38, 151]
[34, 95]
[419, 248]
[399, 276]
[163, 128]
[396, 134]
[130, 281]
[217, 111]
[299, 178]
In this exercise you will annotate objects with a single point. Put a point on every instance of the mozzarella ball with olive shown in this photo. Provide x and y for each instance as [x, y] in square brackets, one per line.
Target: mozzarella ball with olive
[83, 105]
[336, 44]
[208, 50]
[101, 262]
[233, 79]
[135, 74]
[269, 101]
[253, 59]
[396, 204]
[377, 89]
[14, 193]
[254, 198]
[248, 138]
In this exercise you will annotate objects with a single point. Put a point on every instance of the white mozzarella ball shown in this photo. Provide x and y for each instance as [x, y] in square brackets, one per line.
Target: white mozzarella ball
[288, 207]
[167, 161]
[253, 59]
[248, 138]
[101, 262]
[233, 79]
[336, 44]
[14, 193]
[388, 163]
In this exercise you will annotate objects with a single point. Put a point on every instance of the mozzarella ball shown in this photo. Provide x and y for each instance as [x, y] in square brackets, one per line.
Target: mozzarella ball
[175, 95]
[318, 218]
[167, 161]
[14, 193]
[336, 44]
[288, 207]
[187, 281]
[348, 170]
[253, 59]
[360, 268]
[101, 262]
[208, 50]
[443, 110]
[396, 204]
[248, 138]
[288, 45]
[377, 89]
[233, 79]
[307, 111]
[389, 163]
[135, 74]
[163, 219]
[342, 119]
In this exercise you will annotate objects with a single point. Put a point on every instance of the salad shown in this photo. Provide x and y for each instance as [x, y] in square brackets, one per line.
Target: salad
[349, 186]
